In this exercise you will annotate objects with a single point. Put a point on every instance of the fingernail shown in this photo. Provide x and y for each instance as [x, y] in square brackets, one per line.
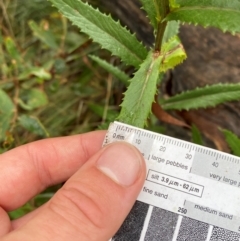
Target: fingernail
[121, 162]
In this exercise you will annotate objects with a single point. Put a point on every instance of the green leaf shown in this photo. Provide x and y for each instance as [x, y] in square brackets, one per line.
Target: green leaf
[45, 36]
[12, 50]
[151, 8]
[124, 78]
[7, 109]
[233, 142]
[139, 96]
[27, 208]
[32, 99]
[171, 30]
[33, 124]
[173, 54]
[41, 73]
[36, 71]
[104, 30]
[221, 14]
[196, 136]
[173, 4]
[208, 96]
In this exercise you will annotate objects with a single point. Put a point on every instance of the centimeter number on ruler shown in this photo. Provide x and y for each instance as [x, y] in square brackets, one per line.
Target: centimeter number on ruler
[188, 179]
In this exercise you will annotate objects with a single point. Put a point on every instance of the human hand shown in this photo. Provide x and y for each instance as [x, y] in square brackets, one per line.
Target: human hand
[102, 186]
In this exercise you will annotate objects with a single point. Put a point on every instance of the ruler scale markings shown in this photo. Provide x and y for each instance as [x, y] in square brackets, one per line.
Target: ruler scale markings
[190, 148]
[216, 172]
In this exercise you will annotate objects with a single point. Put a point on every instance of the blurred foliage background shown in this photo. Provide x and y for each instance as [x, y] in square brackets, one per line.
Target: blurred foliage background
[48, 85]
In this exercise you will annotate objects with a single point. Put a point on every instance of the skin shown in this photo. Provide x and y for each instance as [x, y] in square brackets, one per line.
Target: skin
[90, 206]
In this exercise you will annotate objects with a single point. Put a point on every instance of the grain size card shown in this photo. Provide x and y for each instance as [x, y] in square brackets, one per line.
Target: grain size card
[191, 192]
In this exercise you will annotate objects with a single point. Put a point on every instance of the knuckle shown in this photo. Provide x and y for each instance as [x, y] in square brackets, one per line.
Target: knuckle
[80, 205]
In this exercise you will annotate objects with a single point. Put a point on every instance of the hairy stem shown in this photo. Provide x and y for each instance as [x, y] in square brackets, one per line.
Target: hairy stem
[164, 10]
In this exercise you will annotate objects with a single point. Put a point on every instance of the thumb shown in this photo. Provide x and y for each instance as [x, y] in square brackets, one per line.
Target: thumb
[94, 202]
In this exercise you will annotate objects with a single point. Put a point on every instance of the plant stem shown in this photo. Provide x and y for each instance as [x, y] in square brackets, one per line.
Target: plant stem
[160, 33]
[164, 10]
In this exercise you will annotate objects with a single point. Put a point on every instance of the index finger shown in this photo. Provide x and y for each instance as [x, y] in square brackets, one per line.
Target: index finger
[27, 170]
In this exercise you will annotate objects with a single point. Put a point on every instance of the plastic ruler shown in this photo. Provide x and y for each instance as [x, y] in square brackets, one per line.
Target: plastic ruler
[184, 178]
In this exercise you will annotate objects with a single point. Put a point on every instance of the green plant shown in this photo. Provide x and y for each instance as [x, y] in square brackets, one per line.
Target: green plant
[46, 83]
[48, 87]
[165, 16]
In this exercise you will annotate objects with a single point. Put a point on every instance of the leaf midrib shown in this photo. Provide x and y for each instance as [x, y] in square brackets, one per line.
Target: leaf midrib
[145, 83]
